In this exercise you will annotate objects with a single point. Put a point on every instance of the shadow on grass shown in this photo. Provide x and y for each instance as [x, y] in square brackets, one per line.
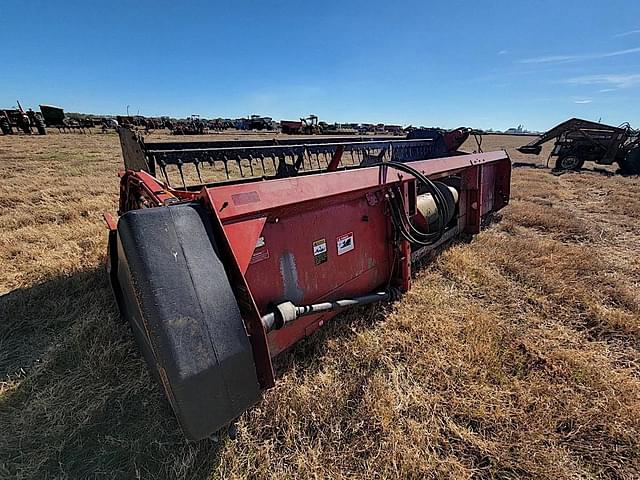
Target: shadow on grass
[76, 399]
[553, 171]
[539, 166]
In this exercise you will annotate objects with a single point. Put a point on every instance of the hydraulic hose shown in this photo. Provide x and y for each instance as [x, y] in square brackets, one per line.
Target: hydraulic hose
[286, 312]
[401, 222]
[400, 217]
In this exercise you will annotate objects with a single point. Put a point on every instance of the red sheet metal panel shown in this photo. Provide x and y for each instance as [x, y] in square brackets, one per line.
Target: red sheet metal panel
[298, 255]
[331, 250]
[244, 238]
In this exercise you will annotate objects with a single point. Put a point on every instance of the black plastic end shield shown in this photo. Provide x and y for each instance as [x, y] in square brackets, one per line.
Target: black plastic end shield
[176, 295]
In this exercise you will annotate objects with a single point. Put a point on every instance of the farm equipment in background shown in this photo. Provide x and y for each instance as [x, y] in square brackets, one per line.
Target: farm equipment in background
[218, 276]
[339, 129]
[5, 124]
[35, 119]
[310, 125]
[21, 120]
[257, 122]
[220, 124]
[54, 117]
[393, 129]
[291, 127]
[304, 126]
[10, 119]
[192, 126]
[578, 141]
[30, 119]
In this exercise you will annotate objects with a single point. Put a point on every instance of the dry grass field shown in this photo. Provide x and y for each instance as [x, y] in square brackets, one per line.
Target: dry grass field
[515, 355]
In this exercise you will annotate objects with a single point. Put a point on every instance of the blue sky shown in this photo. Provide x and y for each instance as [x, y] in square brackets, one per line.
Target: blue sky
[448, 63]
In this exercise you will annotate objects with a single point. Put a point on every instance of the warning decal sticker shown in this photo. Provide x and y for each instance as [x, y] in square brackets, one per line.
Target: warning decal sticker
[345, 243]
[320, 251]
[259, 256]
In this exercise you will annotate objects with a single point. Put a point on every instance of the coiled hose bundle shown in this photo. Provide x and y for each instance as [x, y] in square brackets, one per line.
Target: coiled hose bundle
[400, 217]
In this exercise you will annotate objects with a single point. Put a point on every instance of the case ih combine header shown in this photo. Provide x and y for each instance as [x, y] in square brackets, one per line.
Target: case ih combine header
[261, 242]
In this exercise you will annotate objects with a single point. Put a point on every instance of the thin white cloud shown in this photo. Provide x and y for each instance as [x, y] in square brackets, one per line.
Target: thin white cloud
[503, 52]
[577, 58]
[583, 101]
[552, 59]
[605, 90]
[611, 81]
[626, 34]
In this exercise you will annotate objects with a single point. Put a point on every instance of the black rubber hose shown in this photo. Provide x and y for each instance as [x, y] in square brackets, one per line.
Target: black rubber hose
[400, 216]
[406, 228]
[398, 223]
[419, 233]
[402, 229]
[403, 217]
[441, 203]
